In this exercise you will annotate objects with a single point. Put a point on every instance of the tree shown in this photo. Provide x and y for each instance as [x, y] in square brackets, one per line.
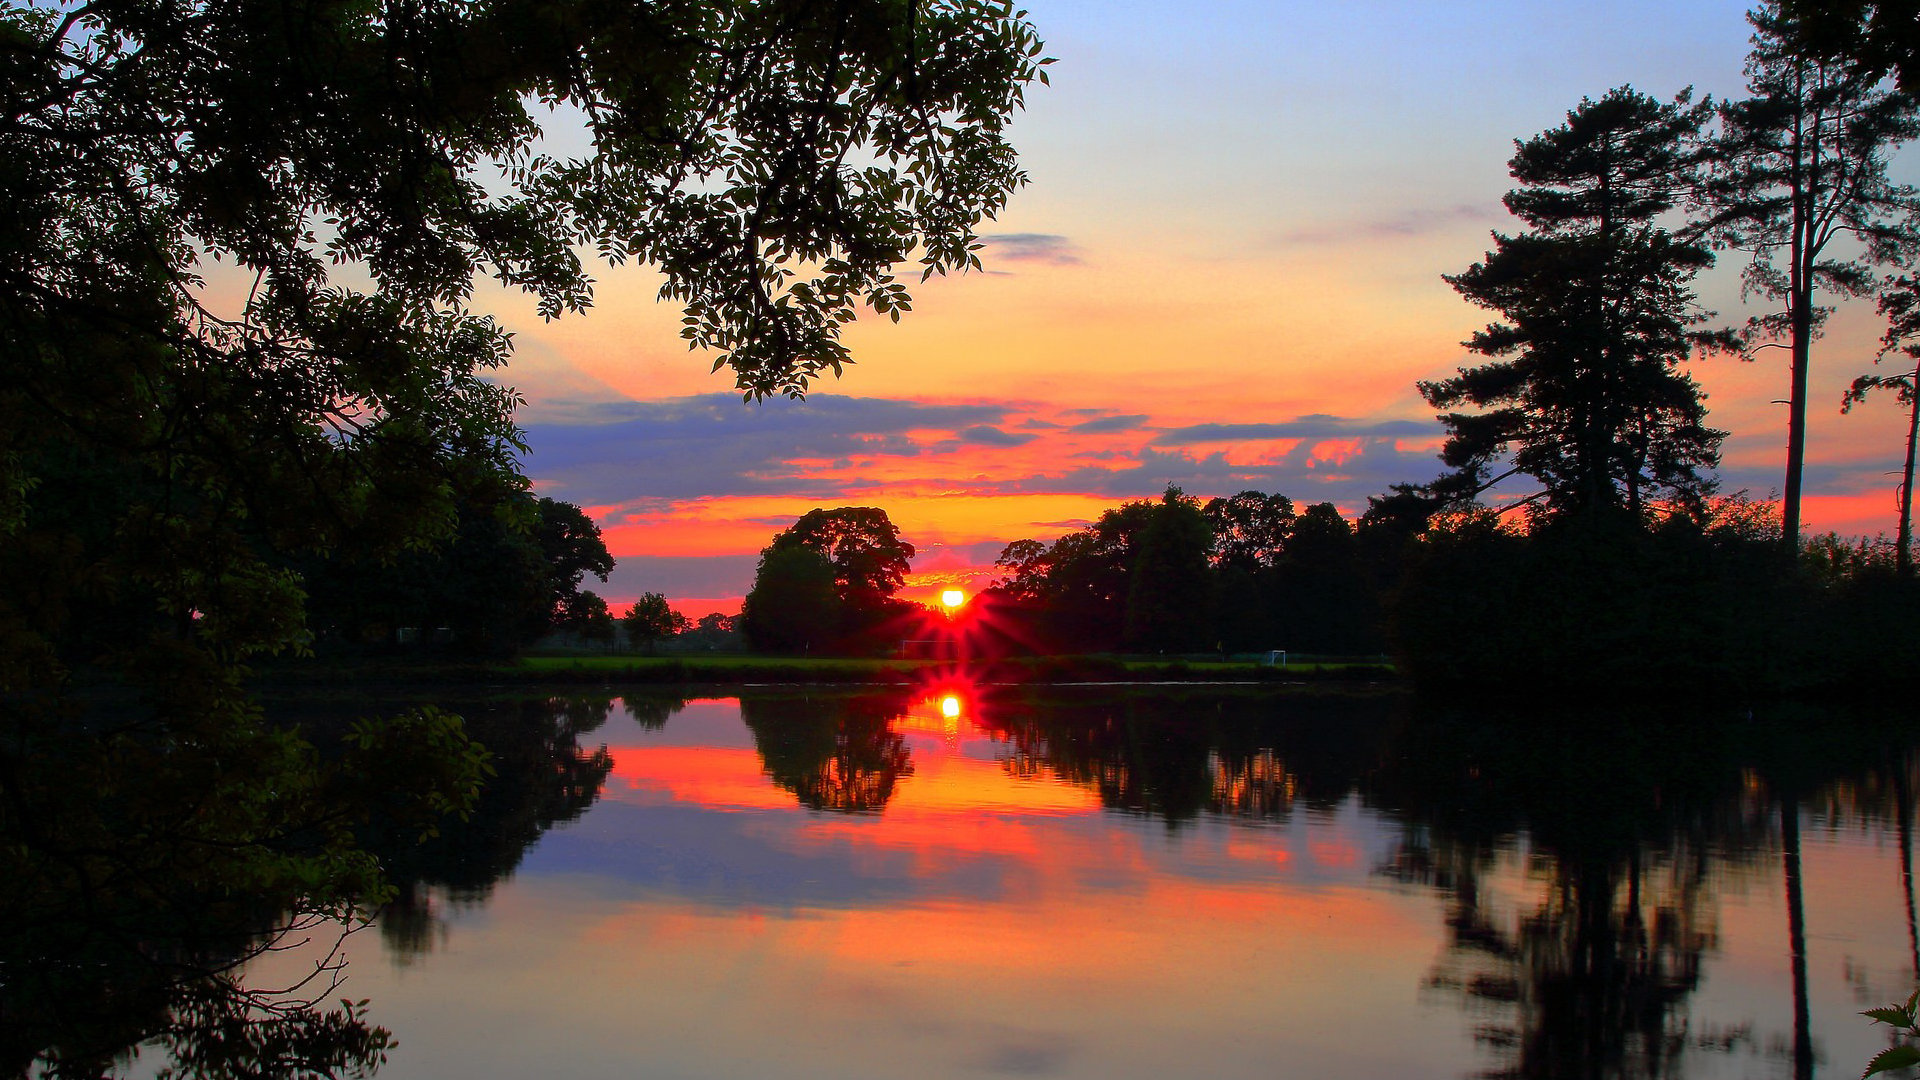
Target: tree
[794, 605]
[651, 618]
[585, 615]
[869, 559]
[1169, 591]
[1900, 303]
[570, 549]
[870, 563]
[1800, 164]
[1249, 529]
[347, 171]
[1597, 305]
[1877, 36]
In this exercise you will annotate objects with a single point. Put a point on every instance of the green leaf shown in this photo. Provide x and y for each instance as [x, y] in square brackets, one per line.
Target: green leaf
[1893, 1057]
[1891, 1014]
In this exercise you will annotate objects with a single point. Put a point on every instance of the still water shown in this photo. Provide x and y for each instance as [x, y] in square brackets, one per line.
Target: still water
[1105, 883]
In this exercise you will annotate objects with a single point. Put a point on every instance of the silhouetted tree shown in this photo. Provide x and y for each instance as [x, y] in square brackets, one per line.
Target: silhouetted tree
[347, 160]
[1900, 303]
[833, 753]
[1877, 36]
[652, 618]
[869, 563]
[793, 605]
[1249, 529]
[1169, 591]
[1596, 302]
[1802, 163]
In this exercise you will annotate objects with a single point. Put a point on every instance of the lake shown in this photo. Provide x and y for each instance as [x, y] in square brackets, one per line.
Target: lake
[1125, 882]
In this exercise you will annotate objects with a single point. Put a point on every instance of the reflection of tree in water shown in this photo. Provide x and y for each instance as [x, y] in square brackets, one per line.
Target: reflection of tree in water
[1176, 757]
[141, 870]
[1629, 828]
[652, 710]
[542, 778]
[833, 752]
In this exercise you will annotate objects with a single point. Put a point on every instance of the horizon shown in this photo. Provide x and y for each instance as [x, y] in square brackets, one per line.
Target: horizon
[1225, 275]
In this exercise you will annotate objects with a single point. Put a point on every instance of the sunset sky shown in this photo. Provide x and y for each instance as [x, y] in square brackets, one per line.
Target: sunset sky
[1224, 275]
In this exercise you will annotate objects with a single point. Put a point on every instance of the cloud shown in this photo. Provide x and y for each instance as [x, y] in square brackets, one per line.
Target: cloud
[1106, 424]
[1419, 221]
[1047, 249]
[1368, 466]
[988, 435]
[714, 445]
[1310, 426]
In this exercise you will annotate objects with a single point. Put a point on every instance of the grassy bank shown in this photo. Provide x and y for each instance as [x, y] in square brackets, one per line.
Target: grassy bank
[1049, 669]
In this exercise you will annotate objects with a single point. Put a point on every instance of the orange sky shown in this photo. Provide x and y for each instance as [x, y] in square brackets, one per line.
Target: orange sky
[1226, 274]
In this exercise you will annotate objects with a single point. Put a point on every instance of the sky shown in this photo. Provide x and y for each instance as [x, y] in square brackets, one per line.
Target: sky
[1225, 275]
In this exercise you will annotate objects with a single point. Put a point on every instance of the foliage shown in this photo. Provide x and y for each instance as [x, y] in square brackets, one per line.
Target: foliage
[1249, 529]
[509, 574]
[652, 618]
[1800, 165]
[1876, 36]
[1169, 592]
[793, 605]
[1903, 1019]
[1900, 303]
[867, 563]
[1583, 392]
[869, 559]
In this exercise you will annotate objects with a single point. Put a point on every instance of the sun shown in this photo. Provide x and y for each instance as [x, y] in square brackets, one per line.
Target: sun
[953, 598]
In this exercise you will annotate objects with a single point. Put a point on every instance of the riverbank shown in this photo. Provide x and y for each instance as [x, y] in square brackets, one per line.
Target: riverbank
[754, 670]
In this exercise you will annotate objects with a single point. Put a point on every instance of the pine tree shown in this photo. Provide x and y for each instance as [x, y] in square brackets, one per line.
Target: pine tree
[1584, 391]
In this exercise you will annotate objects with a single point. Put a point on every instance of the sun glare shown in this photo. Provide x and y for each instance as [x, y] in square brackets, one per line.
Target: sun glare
[950, 706]
[953, 598]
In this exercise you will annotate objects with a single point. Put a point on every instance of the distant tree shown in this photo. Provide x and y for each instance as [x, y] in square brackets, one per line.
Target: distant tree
[1583, 392]
[1800, 164]
[571, 548]
[1249, 529]
[1169, 589]
[1900, 303]
[652, 618]
[870, 563]
[794, 605]
[585, 615]
[869, 559]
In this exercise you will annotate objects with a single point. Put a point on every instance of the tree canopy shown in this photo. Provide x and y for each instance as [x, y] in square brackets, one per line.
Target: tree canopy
[1597, 308]
[1800, 183]
[240, 243]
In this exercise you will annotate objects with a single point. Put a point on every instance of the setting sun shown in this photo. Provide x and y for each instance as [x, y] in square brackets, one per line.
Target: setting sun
[953, 598]
[950, 706]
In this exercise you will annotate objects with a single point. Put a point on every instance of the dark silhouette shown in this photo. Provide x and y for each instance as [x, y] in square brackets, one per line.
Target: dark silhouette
[1801, 163]
[833, 752]
[1900, 303]
[1876, 36]
[650, 619]
[827, 583]
[542, 777]
[345, 161]
[1583, 392]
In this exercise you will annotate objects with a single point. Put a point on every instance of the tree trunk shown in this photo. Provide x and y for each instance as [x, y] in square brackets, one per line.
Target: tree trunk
[1903, 548]
[1796, 938]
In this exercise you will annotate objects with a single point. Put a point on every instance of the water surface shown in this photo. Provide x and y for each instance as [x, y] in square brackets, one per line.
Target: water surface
[1120, 884]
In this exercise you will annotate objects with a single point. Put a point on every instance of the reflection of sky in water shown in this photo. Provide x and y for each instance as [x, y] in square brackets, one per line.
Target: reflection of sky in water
[699, 923]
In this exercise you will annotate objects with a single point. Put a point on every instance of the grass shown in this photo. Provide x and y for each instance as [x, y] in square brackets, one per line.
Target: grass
[1047, 669]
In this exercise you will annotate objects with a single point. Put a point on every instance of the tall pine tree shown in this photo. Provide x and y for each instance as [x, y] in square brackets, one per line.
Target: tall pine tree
[1583, 390]
[1803, 164]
